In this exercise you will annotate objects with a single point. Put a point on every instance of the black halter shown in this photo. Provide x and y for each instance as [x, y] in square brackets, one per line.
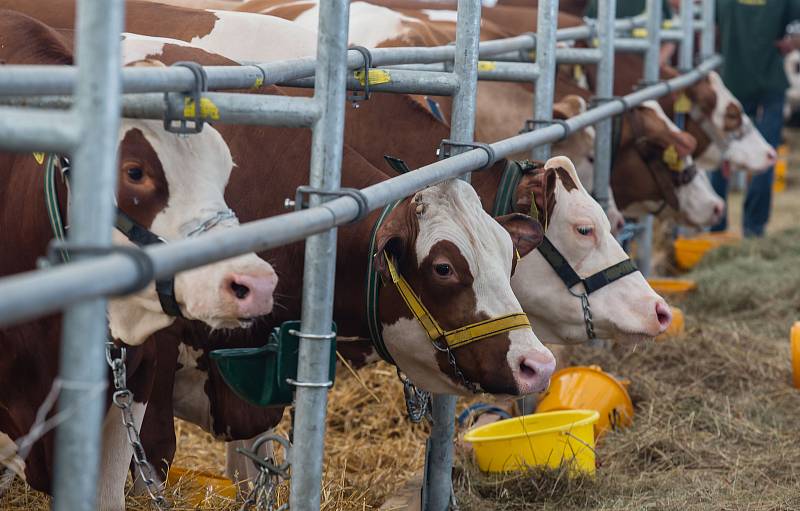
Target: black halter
[504, 203]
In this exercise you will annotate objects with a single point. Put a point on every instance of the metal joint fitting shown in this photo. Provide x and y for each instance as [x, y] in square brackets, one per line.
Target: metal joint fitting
[595, 101]
[200, 86]
[365, 93]
[531, 124]
[446, 145]
[354, 193]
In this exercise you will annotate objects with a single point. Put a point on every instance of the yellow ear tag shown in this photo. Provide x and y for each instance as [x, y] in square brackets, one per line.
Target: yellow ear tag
[376, 76]
[486, 65]
[670, 157]
[39, 157]
[577, 72]
[683, 104]
[666, 24]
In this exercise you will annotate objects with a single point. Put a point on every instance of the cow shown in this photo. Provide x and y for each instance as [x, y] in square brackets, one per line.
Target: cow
[170, 187]
[440, 240]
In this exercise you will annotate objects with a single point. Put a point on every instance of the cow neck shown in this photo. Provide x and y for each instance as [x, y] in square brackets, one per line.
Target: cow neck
[135, 232]
[443, 340]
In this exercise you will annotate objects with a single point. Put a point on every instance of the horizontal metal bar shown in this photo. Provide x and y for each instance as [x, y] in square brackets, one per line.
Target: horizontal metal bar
[632, 45]
[488, 70]
[577, 55]
[33, 294]
[23, 129]
[401, 81]
[259, 109]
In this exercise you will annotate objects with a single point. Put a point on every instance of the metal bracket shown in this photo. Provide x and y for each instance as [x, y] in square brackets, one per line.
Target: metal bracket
[596, 100]
[530, 54]
[354, 193]
[446, 146]
[313, 337]
[355, 97]
[313, 385]
[145, 271]
[531, 124]
[200, 86]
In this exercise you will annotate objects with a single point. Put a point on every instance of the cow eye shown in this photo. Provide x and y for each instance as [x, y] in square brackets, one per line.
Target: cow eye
[135, 174]
[584, 230]
[443, 270]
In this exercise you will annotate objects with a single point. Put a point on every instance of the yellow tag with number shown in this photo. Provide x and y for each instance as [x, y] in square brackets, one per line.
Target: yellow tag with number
[670, 157]
[577, 72]
[208, 110]
[486, 65]
[39, 157]
[376, 76]
[683, 104]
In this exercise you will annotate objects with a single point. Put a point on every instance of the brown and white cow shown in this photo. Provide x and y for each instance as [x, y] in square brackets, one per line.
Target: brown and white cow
[169, 185]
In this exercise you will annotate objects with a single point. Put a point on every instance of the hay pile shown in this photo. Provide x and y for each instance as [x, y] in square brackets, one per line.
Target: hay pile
[716, 423]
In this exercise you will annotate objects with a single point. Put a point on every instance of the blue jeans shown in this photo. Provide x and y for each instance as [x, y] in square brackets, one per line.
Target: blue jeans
[767, 115]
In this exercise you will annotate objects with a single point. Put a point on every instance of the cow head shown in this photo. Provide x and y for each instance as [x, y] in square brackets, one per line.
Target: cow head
[173, 185]
[656, 172]
[732, 135]
[579, 146]
[626, 310]
[458, 260]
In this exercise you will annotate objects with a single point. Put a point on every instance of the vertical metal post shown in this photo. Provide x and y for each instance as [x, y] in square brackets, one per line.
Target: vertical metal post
[644, 240]
[93, 184]
[311, 396]
[438, 480]
[606, 14]
[707, 40]
[685, 57]
[546, 59]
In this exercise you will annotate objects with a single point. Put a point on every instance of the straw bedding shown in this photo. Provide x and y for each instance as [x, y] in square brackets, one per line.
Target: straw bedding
[715, 425]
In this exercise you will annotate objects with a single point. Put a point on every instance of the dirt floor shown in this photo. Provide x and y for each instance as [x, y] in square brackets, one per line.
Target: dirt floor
[716, 423]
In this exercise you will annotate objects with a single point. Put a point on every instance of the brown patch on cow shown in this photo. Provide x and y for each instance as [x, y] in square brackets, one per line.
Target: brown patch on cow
[703, 95]
[566, 179]
[733, 117]
[541, 186]
[141, 199]
[568, 106]
[24, 40]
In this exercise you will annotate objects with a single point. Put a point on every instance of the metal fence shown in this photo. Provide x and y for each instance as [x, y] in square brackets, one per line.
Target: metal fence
[92, 94]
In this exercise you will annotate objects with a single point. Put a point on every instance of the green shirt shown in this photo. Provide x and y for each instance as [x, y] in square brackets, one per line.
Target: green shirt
[748, 30]
[628, 8]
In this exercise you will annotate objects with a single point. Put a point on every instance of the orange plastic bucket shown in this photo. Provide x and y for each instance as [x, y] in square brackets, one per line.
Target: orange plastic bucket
[589, 388]
[672, 287]
[795, 340]
[201, 485]
[676, 327]
[689, 251]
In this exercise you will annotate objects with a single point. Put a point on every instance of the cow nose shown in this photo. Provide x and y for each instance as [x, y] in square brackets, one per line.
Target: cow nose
[251, 293]
[772, 157]
[664, 315]
[535, 369]
[719, 209]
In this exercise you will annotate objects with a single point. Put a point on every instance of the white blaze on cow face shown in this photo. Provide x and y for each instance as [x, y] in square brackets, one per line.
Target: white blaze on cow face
[627, 310]
[698, 203]
[250, 37]
[746, 147]
[226, 294]
[453, 212]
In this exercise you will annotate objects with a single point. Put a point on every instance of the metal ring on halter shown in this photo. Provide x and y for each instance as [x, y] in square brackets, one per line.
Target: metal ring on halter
[308, 384]
[145, 271]
[314, 337]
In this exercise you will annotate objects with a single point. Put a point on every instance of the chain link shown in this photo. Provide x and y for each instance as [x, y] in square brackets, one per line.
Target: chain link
[451, 358]
[587, 317]
[418, 401]
[123, 399]
[263, 494]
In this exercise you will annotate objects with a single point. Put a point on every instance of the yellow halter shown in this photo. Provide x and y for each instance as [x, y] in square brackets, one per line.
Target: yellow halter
[460, 336]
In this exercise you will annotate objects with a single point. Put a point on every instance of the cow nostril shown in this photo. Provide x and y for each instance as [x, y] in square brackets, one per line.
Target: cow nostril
[664, 315]
[526, 370]
[239, 290]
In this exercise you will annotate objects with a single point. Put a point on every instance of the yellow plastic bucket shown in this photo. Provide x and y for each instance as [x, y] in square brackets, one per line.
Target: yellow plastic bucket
[200, 485]
[676, 327]
[537, 440]
[689, 251]
[779, 183]
[672, 287]
[589, 388]
[795, 340]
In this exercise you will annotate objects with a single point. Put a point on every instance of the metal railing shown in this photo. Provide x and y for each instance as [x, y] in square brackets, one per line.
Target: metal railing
[81, 287]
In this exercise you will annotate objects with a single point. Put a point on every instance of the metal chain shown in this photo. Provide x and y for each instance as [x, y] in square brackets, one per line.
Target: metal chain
[451, 358]
[264, 492]
[123, 399]
[587, 317]
[418, 401]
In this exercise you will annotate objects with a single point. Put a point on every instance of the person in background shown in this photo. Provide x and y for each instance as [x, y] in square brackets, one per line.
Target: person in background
[631, 8]
[753, 41]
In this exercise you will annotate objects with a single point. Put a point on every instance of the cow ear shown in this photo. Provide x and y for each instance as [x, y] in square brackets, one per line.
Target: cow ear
[536, 195]
[391, 240]
[569, 106]
[526, 232]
